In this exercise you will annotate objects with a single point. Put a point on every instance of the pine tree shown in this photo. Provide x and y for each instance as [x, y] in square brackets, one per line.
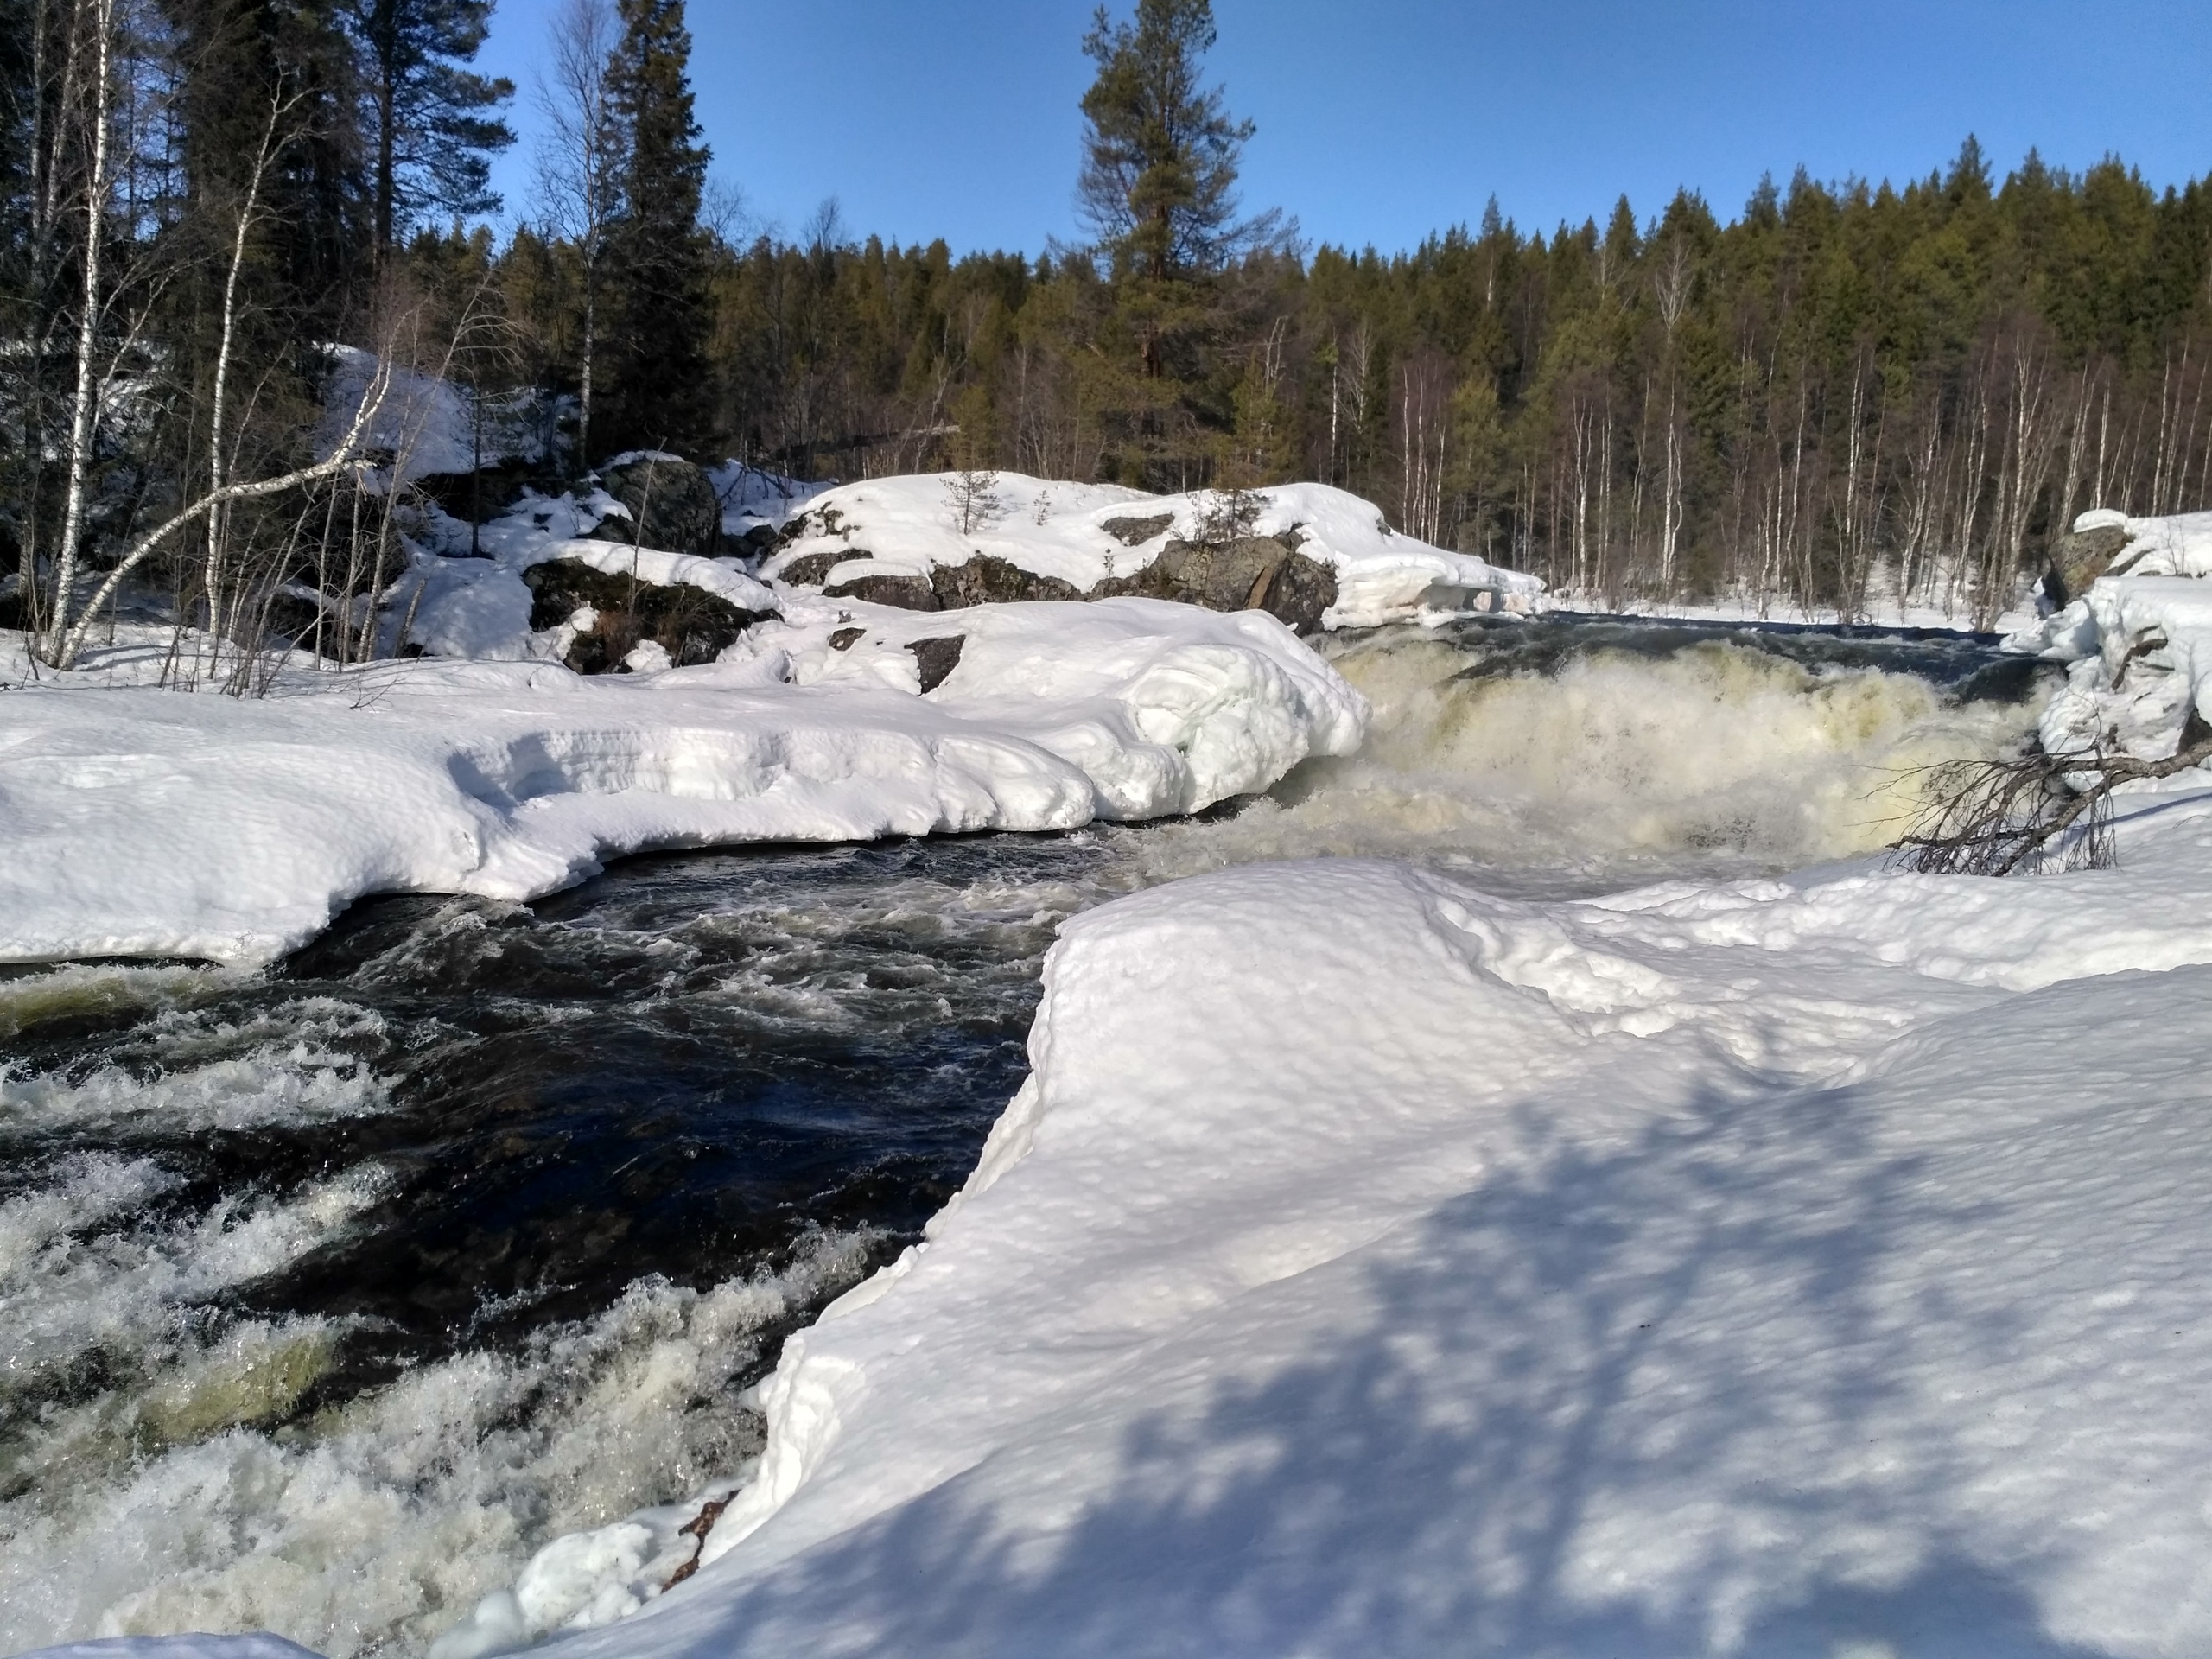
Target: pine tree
[427, 119]
[1159, 180]
[658, 396]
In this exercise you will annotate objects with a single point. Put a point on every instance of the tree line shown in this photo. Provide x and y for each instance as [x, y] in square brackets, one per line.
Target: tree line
[1841, 391]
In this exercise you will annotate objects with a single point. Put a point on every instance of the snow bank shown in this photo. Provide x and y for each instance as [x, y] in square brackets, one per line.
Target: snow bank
[2139, 642]
[1374, 1266]
[909, 525]
[145, 822]
[426, 425]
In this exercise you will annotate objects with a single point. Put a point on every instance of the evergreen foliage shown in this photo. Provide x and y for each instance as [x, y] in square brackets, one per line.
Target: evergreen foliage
[657, 395]
[426, 116]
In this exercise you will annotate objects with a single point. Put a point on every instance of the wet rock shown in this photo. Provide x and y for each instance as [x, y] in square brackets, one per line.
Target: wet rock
[691, 624]
[1136, 532]
[937, 657]
[2078, 558]
[672, 506]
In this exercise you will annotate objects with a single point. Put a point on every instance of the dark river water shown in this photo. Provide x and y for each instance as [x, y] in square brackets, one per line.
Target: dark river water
[331, 1292]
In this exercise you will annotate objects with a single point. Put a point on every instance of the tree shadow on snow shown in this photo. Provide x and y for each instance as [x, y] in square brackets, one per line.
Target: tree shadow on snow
[1655, 1398]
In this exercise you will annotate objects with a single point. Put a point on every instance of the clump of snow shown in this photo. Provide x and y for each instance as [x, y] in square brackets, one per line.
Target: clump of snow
[909, 525]
[1373, 1264]
[2139, 642]
[144, 822]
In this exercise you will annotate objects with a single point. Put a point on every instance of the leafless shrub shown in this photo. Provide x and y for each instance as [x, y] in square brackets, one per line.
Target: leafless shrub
[2031, 813]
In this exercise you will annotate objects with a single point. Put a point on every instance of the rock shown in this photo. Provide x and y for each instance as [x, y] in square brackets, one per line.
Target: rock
[481, 496]
[988, 580]
[811, 569]
[845, 638]
[2078, 558]
[689, 624]
[906, 593]
[1136, 532]
[937, 657]
[672, 506]
[1254, 573]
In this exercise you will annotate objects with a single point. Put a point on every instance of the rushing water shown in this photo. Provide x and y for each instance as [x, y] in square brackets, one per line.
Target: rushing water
[330, 1294]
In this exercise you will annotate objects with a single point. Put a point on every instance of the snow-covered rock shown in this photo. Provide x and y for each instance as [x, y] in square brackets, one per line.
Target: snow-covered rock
[1089, 535]
[145, 822]
[2140, 641]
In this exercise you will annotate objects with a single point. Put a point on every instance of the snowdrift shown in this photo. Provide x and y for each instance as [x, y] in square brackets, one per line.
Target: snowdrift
[141, 823]
[1374, 1266]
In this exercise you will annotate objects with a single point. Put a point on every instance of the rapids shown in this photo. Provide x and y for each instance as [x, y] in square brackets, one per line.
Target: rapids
[332, 1292]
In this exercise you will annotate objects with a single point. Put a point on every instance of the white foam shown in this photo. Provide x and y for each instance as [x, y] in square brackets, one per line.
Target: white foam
[379, 1522]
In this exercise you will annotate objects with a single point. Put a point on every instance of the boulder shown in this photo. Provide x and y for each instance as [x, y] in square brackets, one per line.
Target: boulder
[1136, 532]
[672, 506]
[691, 624]
[906, 593]
[937, 657]
[812, 569]
[2078, 558]
[1253, 573]
[988, 580]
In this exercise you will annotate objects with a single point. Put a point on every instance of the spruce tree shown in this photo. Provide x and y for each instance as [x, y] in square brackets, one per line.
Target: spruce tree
[657, 397]
[429, 119]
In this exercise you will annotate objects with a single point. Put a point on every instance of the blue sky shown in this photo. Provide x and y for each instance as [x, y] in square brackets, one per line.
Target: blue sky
[1381, 120]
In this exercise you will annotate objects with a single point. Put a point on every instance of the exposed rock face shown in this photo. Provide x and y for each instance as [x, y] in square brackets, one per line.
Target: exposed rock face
[986, 581]
[937, 657]
[672, 506]
[691, 624]
[1254, 573]
[2078, 558]
[907, 593]
[1136, 532]
[810, 570]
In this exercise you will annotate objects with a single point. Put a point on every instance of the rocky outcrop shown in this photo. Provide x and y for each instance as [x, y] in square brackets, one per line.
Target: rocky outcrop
[1136, 532]
[2078, 558]
[671, 506]
[1253, 573]
[691, 624]
[478, 498]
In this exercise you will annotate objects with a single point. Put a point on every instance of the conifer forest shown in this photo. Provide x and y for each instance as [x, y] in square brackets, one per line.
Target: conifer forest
[1833, 390]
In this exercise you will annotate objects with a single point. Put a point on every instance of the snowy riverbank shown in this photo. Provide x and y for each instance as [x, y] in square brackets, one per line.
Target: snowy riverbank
[1374, 1265]
[143, 823]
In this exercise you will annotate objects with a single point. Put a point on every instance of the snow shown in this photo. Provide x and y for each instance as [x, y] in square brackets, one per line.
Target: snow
[2139, 642]
[908, 526]
[1375, 1265]
[424, 423]
[144, 822]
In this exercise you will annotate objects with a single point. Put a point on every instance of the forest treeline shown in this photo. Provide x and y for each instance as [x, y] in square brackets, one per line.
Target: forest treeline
[1839, 390]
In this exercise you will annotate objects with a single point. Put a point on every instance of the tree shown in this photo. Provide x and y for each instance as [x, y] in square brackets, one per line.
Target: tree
[658, 395]
[428, 119]
[580, 165]
[1158, 179]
